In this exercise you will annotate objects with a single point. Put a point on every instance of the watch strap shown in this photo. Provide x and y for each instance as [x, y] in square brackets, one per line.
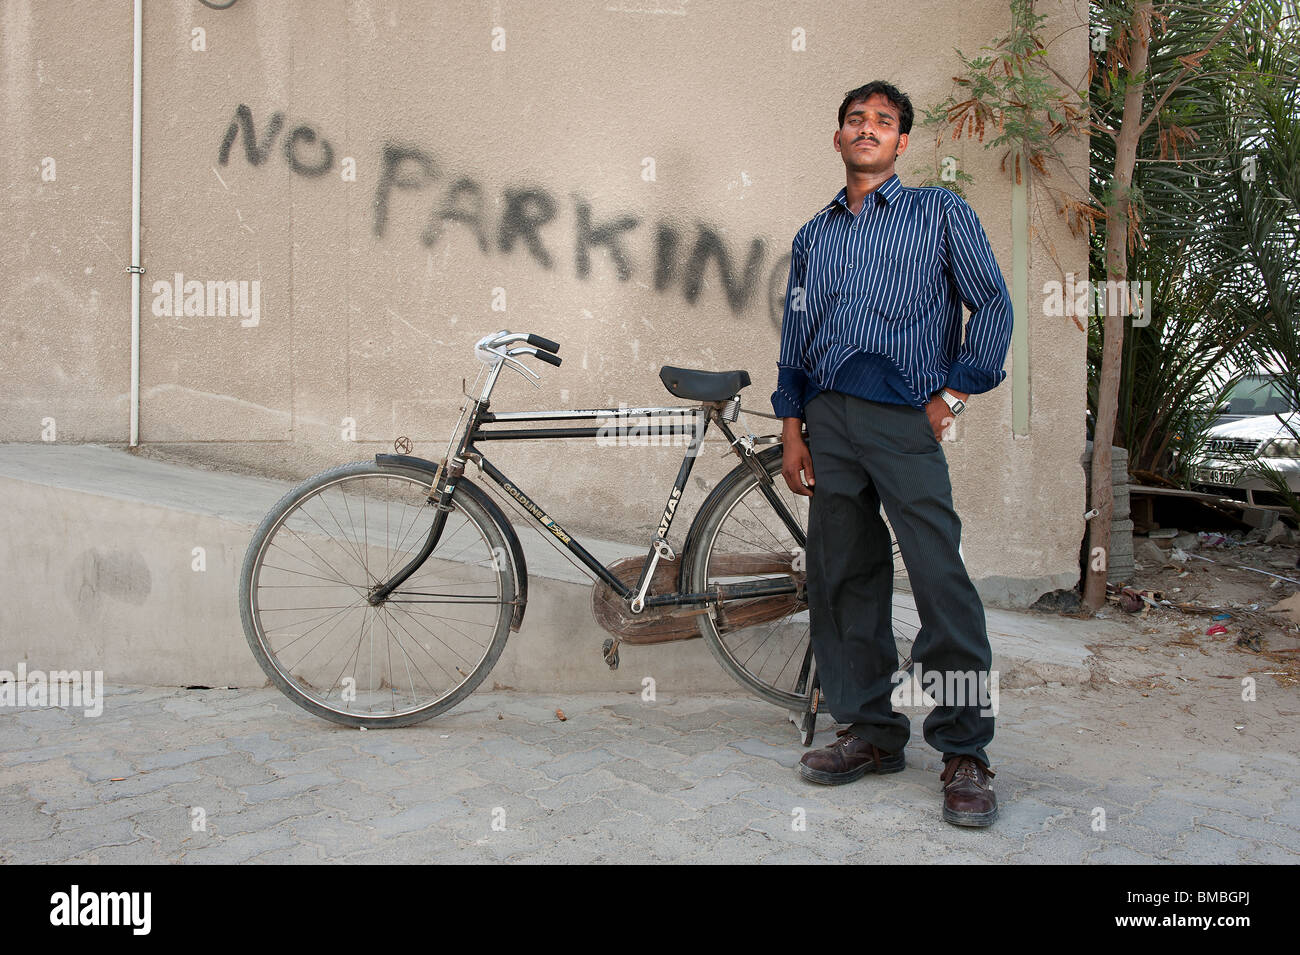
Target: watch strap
[955, 404]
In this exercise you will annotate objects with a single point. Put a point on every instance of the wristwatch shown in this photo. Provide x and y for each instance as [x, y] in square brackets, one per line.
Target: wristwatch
[955, 404]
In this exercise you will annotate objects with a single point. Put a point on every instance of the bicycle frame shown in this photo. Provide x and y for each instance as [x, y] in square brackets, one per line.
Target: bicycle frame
[451, 469]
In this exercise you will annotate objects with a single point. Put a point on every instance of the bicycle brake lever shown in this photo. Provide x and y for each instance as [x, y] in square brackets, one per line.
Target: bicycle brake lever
[514, 363]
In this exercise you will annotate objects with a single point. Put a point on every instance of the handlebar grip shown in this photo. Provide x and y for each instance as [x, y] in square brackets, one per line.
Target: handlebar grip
[549, 358]
[545, 343]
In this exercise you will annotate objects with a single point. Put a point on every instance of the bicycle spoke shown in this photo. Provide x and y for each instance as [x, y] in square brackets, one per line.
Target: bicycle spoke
[469, 663]
[770, 654]
[352, 548]
[315, 568]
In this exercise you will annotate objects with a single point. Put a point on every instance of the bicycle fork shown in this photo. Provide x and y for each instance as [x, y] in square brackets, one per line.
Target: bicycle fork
[441, 499]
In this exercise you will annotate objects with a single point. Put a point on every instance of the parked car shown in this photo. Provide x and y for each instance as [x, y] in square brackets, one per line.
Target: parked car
[1223, 464]
[1253, 396]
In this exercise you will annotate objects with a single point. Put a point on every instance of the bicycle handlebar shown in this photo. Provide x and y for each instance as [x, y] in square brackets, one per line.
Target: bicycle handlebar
[545, 343]
[491, 350]
[548, 357]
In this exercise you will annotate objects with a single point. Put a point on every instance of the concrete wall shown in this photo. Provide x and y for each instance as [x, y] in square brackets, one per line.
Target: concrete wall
[131, 567]
[121, 575]
[431, 176]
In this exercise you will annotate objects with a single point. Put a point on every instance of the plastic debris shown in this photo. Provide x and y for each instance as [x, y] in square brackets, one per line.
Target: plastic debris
[1256, 570]
[1216, 629]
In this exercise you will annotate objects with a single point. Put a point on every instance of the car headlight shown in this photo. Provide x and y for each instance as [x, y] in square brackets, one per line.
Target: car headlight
[1282, 448]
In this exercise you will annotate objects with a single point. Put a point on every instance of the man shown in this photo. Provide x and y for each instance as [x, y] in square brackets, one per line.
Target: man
[872, 358]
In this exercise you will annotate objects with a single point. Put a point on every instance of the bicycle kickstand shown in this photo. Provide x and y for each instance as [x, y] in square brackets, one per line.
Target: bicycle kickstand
[609, 652]
[806, 720]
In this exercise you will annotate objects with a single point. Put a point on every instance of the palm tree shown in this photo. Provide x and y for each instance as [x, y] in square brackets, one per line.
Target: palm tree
[1180, 95]
[1158, 51]
[1199, 217]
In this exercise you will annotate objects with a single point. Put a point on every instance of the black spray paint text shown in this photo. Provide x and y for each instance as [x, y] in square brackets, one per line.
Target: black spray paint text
[681, 259]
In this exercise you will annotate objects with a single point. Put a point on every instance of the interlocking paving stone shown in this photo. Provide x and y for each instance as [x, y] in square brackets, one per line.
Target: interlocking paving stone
[241, 848]
[1120, 855]
[1274, 855]
[1204, 845]
[575, 788]
[333, 835]
[292, 855]
[708, 780]
[136, 784]
[573, 763]
[420, 817]
[288, 786]
[70, 843]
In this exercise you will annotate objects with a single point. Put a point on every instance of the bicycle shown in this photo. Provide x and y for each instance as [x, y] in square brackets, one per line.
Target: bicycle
[381, 593]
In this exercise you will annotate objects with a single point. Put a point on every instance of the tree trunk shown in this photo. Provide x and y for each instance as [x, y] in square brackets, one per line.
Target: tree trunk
[1117, 223]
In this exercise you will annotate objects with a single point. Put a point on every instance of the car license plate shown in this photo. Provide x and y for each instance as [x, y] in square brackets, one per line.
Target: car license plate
[1222, 476]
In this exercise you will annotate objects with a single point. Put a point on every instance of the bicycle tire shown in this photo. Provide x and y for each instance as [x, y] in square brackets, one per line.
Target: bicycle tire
[303, 541]
[738, 515]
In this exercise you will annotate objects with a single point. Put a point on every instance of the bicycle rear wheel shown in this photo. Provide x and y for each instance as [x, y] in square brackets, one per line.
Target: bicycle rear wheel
[742, 538]
[322, 551]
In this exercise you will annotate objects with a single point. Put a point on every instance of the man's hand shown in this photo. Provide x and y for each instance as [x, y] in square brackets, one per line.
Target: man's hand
[796, 460]
[940, 415]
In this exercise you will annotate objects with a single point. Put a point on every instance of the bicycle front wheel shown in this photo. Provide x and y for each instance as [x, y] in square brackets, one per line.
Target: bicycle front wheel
[325, 548]
[764, 642]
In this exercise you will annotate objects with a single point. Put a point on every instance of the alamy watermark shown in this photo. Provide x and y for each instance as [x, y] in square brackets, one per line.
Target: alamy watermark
[1105, 298]
[129, 909]
[66, 689]
[637, 428]
[212, 299]
[946, 688]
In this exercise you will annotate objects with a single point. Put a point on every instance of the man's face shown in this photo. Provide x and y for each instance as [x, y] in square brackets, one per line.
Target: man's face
[869, 140]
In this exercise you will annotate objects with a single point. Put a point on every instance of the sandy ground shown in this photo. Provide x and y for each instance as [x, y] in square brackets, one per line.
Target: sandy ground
[1171, 676]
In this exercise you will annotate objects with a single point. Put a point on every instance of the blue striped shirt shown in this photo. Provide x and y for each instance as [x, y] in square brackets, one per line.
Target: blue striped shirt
[874, 302]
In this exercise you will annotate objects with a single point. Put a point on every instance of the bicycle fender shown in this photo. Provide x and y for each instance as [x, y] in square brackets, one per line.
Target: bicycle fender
[494, 510]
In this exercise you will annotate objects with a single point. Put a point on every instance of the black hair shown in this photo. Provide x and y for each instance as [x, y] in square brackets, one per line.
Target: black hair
[896, 97]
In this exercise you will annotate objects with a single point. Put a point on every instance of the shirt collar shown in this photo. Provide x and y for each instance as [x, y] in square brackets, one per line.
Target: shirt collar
[884, 194]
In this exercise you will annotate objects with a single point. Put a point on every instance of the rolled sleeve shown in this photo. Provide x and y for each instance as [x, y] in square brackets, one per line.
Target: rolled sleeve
[792, 380]
[791, 386]
[978, 366]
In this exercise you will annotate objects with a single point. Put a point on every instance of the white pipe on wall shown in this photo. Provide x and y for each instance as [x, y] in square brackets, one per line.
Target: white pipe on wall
[135, 235]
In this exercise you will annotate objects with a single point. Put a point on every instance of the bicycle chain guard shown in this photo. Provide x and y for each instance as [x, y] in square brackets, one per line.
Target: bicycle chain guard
[664, 624]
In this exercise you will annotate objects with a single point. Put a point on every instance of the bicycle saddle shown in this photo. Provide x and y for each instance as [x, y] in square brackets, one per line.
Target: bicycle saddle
[702, 385]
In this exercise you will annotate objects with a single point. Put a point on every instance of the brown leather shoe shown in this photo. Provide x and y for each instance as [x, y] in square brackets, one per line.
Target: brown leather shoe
[847, 759]
[968, 798]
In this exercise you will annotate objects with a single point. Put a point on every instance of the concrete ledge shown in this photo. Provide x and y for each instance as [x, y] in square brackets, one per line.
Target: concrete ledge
[1019, 592]
[130, 566]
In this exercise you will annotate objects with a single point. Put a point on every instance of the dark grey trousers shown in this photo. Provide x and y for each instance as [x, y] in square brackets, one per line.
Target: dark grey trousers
[865, 454]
